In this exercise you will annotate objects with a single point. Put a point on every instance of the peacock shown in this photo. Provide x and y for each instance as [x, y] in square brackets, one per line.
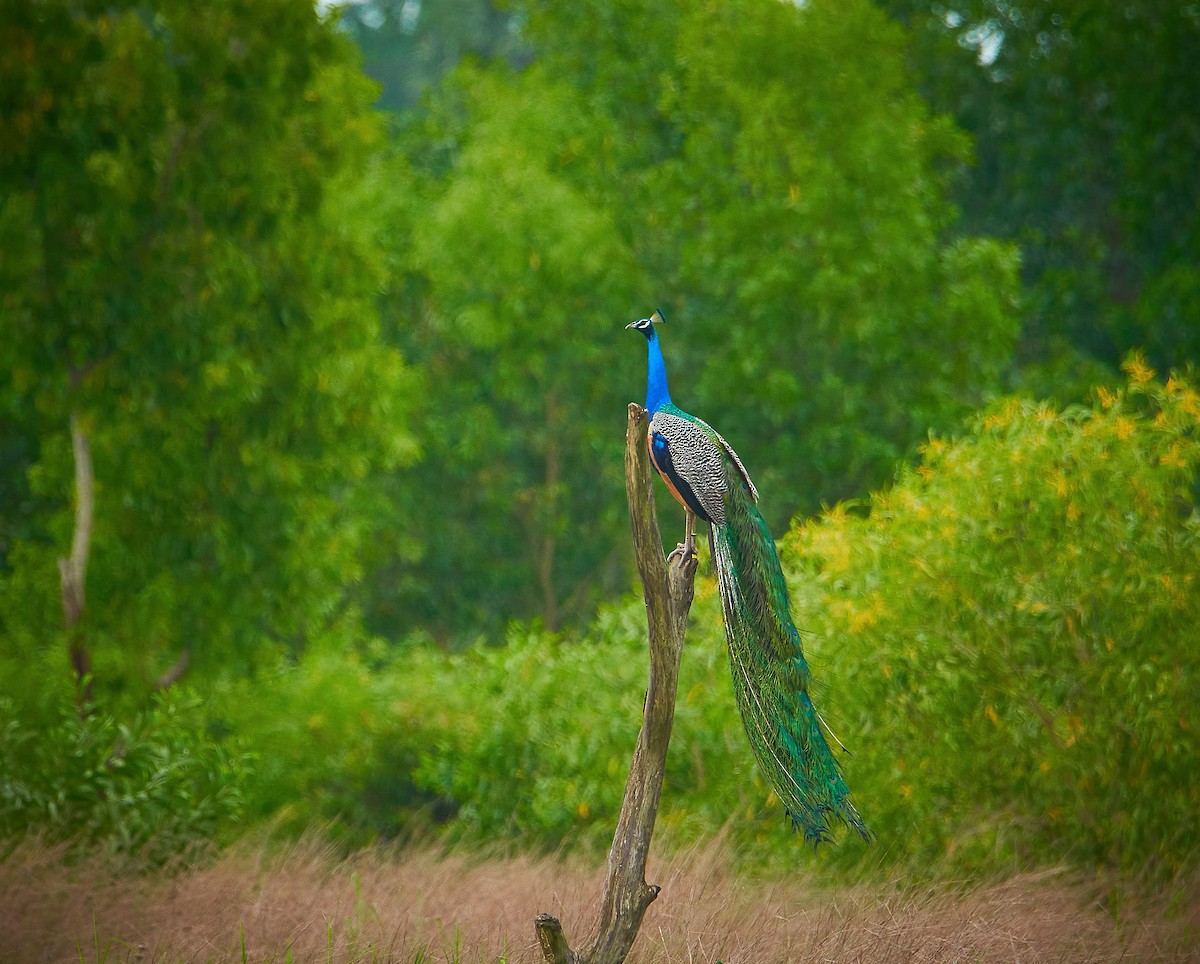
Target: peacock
[770, 675]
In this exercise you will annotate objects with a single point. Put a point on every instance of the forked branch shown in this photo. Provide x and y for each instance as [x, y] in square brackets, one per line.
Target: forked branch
[667, 587]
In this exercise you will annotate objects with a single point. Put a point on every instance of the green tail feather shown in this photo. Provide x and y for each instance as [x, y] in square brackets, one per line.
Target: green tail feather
[771, 677]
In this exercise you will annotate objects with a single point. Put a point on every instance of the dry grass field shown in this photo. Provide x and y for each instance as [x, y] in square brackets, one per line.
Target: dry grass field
[301, 904]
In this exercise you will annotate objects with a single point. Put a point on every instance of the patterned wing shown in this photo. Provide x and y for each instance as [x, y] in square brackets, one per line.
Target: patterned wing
[689, 459]
[736, 461]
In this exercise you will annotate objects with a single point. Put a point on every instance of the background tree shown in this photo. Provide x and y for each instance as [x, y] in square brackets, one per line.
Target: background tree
[782, 195]
[519, 280]
[188, 280]
[821, 262]
[1086, 122]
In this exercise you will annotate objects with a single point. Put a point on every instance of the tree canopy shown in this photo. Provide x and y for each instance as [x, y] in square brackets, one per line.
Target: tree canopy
[1086, 122]
[193, 282]
[789, 214]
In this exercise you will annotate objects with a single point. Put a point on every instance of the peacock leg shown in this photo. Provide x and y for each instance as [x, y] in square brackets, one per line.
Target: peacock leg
[687, 549]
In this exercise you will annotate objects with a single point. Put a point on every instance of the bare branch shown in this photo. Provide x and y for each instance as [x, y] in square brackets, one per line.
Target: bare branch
[176, 672]
[667, 587]
[73, 570]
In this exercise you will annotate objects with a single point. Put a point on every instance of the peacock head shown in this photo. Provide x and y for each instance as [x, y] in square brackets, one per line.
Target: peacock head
[646, 325]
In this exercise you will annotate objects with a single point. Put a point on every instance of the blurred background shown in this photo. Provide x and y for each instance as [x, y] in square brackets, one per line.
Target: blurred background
[313, 382]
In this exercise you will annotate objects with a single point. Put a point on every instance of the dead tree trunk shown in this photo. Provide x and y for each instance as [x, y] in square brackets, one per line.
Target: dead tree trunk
[73, 569]
[667, 587]
[176, 672]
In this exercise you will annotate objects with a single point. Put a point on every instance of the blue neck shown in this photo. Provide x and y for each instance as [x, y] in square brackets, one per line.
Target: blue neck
[656, 382]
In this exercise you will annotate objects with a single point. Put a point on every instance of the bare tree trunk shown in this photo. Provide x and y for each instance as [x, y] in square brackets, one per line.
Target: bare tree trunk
[667, 587]
[73, 569]
[176, 672]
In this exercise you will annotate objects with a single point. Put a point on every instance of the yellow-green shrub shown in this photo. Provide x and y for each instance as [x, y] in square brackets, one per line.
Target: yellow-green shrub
[1013, 632]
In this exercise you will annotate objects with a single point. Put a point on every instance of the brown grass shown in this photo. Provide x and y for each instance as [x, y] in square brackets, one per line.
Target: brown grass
[304, 905]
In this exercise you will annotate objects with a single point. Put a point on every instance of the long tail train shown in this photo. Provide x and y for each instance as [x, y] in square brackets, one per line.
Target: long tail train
[771, 676]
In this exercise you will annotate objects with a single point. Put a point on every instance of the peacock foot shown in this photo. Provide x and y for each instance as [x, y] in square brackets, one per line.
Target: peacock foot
[683, 552]
[683, 564]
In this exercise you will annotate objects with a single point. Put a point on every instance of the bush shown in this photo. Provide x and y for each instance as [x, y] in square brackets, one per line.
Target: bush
[530, 743]
[537, 735]
[337, 734]
[1015, 627]
[154, 788]
[1005, 643]
[526, 743]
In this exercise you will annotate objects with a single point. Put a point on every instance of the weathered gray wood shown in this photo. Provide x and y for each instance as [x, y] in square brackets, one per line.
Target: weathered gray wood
[667, 586]
[550, 937]
[73, 569]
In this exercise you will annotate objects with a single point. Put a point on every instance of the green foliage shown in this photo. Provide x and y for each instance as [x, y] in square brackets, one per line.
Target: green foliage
[1086, 124]
[337, 735]
[213, 261]
[516, 759]
[1004, 643]
[155, 787]
[1010, 633]
[193, 275]
[526, 744]
[374, 744]
[781, 194]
